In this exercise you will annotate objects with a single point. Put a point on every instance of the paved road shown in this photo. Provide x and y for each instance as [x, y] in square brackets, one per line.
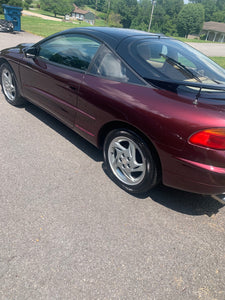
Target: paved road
[10, 40]
[210, 49]
[67, 232]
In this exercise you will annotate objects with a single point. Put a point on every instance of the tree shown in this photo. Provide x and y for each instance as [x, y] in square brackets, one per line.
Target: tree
[164, 18]
[141, 19]
[195, 1]
[127, 9]
[169, 26]
[101, 5]
[114, 20]
[27, 3]
[218, 16]
[220, 4]
[58, 7]
[190, 19]
[173, 7]
[18, 3]
[158, 17]
[2, 2]
[210, 8]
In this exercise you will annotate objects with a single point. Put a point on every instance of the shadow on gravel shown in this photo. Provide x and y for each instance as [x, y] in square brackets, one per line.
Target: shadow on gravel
[66, 132]
[183, 202]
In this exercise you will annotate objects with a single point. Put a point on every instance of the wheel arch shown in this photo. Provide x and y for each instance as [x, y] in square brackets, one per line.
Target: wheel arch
[123, 125]
[3, 60]
[17, 80]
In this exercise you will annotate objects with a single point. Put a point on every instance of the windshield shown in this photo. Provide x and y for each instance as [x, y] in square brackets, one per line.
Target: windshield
[167, 59]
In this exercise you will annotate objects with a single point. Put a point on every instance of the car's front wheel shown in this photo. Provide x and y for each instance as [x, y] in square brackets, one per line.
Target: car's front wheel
[129, 162]
[9, 86]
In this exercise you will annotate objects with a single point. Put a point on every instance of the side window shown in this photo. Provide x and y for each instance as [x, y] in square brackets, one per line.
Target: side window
[108, 65]
[72, 50]
[185, 61]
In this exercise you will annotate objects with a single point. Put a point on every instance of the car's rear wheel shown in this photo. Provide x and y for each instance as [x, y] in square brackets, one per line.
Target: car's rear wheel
[9, 86]
[129, 162]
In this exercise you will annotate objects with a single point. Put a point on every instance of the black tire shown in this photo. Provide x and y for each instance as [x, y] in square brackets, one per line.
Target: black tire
[9, 85]
[129, 162]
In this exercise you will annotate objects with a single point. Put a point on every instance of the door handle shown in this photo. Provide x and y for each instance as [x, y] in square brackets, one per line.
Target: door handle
[73, 88]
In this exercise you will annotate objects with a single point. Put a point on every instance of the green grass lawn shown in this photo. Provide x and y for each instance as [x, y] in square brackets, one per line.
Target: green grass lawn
[219, 60]
[190, 40]
[45, 28]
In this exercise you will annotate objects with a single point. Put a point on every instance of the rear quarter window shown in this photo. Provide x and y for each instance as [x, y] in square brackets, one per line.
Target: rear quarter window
[110, 66]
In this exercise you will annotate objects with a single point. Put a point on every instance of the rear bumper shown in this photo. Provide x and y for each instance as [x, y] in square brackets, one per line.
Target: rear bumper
[193, 177]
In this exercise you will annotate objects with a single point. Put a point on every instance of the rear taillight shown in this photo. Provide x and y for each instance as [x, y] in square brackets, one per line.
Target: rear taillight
[211, 138]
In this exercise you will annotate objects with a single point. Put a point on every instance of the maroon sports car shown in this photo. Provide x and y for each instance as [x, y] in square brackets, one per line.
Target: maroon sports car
[153, 104]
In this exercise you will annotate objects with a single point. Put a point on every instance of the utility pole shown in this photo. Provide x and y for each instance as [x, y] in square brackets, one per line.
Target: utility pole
[108, 10]
[150, 22]
[96, 5]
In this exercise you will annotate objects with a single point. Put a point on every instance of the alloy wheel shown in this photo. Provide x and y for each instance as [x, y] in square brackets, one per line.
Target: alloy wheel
[8, 85]
[126, 160]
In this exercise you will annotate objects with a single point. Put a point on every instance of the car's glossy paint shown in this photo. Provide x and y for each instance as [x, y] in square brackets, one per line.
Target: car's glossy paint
[92, 106]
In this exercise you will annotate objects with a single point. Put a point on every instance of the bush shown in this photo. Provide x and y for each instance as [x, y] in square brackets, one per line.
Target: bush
[202, 37]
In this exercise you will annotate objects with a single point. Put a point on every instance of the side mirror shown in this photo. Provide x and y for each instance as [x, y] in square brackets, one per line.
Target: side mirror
[31, 52]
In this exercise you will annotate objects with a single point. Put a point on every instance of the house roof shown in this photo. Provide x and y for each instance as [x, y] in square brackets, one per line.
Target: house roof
[80, 11]
[214, 26]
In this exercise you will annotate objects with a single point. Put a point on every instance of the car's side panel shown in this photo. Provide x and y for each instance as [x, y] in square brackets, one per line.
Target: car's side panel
[98, 104]
[166, 119]
[101, 101]
[51, 87]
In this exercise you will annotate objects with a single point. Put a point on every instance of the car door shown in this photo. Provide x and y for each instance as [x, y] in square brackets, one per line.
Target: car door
[52, 78]
[108, 85]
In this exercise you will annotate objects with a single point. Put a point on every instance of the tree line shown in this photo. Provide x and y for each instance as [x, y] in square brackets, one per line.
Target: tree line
[171, 17]
[21, 3]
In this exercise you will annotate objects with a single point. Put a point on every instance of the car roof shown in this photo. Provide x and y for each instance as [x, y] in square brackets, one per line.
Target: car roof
[111, 36]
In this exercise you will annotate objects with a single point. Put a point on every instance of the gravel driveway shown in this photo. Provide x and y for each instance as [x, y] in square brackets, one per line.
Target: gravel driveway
[32, 14]
[210, 49]
[15, 38]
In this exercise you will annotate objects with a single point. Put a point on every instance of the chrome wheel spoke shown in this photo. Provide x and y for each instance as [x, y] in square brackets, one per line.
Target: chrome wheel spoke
[126, 160]
[132, 151]
[12, 88]
[5, 78]
[8, 86]
[119, 148]
[114, 162]
[138, 168]
[127, 173]
[134, 165]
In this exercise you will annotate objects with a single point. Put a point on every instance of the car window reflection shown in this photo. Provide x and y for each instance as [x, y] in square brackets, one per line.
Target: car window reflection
[70, 50]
